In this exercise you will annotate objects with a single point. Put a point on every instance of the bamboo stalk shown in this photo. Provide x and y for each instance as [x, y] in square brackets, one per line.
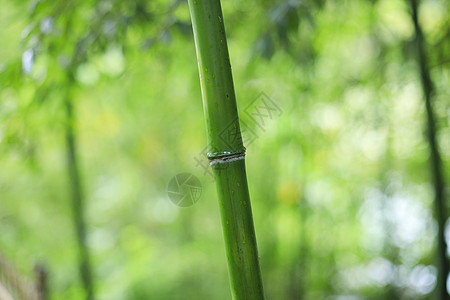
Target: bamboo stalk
[77, 195]
[226, 151]
[435, 157]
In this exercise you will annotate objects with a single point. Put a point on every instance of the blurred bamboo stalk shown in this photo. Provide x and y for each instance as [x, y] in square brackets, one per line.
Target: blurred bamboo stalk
[225, 149]
[77, 195]
[436, 162]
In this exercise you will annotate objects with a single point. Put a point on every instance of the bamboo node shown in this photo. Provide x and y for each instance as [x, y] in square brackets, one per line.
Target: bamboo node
[227, 159]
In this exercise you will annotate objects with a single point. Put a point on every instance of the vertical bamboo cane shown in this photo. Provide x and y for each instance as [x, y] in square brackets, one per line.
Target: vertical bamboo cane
[225, 148]
[77, 195]
[435, 157]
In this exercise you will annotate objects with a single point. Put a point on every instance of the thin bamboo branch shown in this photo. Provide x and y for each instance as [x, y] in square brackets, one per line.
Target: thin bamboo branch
[225, 148]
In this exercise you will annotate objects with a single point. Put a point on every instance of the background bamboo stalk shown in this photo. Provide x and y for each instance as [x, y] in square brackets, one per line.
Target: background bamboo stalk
[435, 157]
[77, 197]
[225, 149]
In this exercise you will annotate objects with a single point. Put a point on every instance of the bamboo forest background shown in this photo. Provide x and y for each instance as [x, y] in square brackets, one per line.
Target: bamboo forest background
[100, 106]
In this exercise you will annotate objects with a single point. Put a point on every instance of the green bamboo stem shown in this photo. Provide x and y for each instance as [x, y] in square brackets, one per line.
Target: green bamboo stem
[77, 196]
[435, 157]
[225, 148]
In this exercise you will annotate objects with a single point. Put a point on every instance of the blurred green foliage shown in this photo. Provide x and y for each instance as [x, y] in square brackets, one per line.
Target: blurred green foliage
[340, 182]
